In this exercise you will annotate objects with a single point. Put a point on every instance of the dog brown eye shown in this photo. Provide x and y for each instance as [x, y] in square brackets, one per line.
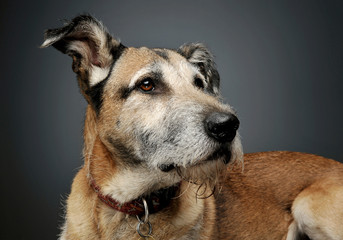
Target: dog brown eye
[199, 83]
[147, 85]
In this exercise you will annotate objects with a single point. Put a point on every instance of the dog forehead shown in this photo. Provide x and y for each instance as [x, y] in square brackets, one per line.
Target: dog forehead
[178, 67]
[137, 62]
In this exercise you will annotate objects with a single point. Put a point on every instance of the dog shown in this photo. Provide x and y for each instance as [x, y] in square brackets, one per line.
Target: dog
[163, 159]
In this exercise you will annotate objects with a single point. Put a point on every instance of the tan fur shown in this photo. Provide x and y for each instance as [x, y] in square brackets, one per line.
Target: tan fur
[257, 203]
[130, 134]
[318, 209]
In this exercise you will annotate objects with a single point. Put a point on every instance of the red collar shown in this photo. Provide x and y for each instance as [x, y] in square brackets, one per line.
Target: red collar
[156, 201]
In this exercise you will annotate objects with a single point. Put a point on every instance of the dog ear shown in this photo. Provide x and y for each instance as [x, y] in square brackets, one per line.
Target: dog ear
[93, 50]
[199, 55]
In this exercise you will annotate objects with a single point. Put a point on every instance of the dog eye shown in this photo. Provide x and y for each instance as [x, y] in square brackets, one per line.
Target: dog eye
[199, 83]
[147, 85]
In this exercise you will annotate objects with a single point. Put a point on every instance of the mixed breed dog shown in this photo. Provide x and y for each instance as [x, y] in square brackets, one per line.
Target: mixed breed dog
[163, 159]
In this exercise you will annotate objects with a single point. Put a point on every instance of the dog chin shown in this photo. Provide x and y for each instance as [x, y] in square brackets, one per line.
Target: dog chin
[204, 173]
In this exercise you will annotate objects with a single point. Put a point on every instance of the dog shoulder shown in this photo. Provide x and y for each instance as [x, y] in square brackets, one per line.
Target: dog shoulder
[80, 202]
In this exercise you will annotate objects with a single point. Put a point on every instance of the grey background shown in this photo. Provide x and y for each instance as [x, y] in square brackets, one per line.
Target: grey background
[281, 65]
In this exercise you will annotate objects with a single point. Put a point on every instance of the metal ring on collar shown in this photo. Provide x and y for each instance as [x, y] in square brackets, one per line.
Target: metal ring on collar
[146, 213]
[142, 234]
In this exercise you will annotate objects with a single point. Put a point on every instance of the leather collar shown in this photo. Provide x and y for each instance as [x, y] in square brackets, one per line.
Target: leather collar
[156, 201]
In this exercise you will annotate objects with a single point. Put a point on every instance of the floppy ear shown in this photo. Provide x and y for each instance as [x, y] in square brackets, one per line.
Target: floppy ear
[93, 50]
[199, 55]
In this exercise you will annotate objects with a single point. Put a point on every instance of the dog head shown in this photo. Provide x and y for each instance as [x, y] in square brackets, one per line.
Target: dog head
[156, 110]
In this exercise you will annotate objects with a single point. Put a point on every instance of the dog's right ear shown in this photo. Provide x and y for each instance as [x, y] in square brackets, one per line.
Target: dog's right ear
[94, 52]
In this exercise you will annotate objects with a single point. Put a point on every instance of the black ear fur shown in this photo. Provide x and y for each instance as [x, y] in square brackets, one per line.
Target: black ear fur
[199, 55]
[93, 50]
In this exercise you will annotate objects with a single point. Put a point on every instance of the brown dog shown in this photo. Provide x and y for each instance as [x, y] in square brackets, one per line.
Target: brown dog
[156, 143]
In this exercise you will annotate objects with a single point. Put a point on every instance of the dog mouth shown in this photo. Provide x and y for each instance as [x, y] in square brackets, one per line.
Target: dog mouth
[220, 154]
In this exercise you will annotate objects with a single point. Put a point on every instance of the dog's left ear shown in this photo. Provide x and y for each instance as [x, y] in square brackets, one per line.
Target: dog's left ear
[93, 50]
[199, 55]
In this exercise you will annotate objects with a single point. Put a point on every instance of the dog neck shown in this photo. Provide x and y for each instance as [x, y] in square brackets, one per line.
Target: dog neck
[120, 191]
[156, 200]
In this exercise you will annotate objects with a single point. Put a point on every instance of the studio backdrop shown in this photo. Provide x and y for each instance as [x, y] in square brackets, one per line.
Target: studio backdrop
[281, 68]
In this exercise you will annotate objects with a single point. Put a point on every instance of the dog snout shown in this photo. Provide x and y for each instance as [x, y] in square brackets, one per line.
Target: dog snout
[222, 126]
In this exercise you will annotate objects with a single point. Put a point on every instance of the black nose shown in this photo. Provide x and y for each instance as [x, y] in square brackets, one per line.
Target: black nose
[222, 126]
